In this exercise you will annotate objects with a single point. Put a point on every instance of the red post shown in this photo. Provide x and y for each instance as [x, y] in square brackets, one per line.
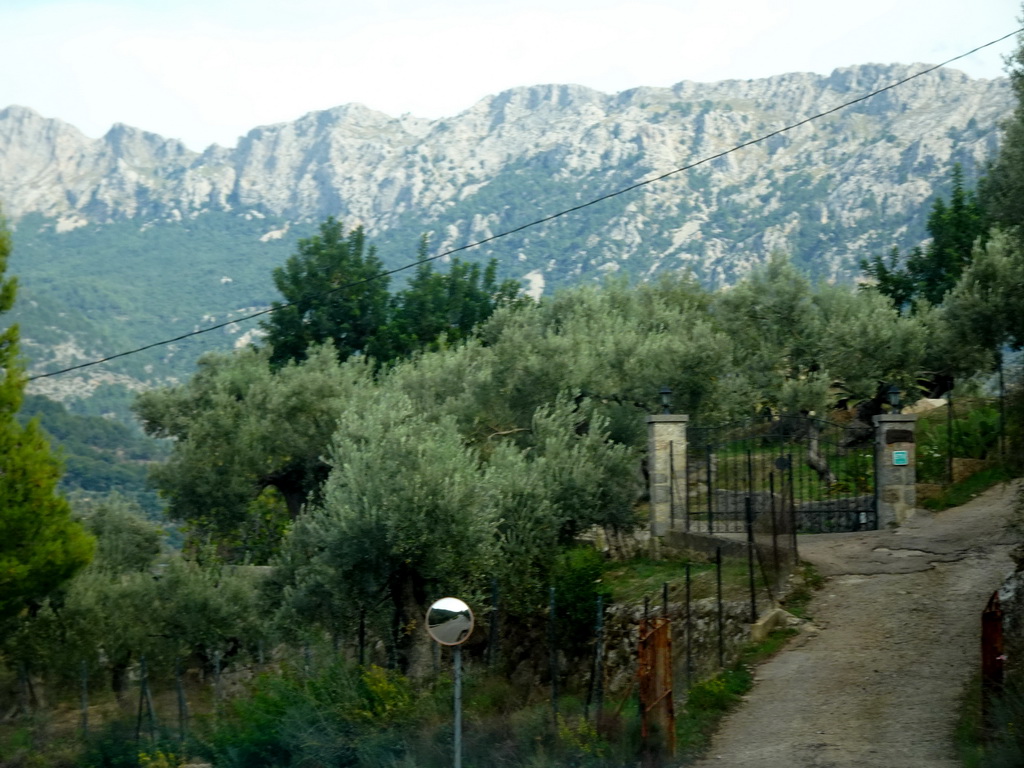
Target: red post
[992, 656]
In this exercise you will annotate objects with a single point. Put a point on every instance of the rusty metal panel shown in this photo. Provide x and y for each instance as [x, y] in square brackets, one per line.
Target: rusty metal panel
[992, 656]
[654, 670]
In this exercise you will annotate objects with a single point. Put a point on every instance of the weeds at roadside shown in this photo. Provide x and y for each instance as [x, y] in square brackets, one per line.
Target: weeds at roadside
[960, 493]
[999, 743]
[806, 581]
[709, 701]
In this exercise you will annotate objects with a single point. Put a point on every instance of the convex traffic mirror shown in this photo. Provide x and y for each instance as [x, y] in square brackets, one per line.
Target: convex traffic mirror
[449, 621]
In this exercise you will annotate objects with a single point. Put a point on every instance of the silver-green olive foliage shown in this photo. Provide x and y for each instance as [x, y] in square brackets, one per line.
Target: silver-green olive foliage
[240, 428]
[804, 348]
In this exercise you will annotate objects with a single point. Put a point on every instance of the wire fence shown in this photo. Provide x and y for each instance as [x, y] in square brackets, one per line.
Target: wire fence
[706, 603]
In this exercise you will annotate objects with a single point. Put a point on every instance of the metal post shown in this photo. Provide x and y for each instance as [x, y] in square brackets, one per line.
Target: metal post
[949, 437]
[182, 701]
[85, 698]
[689, 630]
[686, 490]
[750, 471]
[553, 660]
[711, 513]
[457, 663]
[792, 509]
[671, 485]
[775, 532]
[492, 643]
[721, 617]
[599, 661]
[145, 700]
[149, 699]
[25, 693]
[1002, 411]
[362, 637]
[138, 718]
[750, 558]
[991, 657]
[216, 669]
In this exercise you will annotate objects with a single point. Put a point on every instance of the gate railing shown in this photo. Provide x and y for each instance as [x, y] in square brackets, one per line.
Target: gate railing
[819, 472]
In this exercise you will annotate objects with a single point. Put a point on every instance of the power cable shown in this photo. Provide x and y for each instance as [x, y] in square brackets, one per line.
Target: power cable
[539, 221]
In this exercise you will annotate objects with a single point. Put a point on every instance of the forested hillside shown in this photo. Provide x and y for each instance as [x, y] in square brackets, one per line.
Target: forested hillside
[154, 233]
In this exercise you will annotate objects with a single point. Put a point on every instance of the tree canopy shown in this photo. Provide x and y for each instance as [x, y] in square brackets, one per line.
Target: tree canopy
[40, 545]
[928, 273]
[334, 290]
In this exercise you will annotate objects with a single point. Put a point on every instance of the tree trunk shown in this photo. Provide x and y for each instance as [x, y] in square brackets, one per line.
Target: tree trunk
[815, 460]
[119, 682]
[410, 638]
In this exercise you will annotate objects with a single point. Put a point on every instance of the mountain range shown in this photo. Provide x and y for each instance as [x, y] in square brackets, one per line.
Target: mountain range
[132, 237]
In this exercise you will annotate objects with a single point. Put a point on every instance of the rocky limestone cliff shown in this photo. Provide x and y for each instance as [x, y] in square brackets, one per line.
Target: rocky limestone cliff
[831, 192]
[369, 168]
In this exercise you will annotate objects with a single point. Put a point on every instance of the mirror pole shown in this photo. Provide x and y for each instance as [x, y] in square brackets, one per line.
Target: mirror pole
[457, 663]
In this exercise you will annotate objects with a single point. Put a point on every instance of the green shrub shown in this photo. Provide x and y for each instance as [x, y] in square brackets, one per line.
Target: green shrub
[975, 435]
[577, 579]
[344, 716]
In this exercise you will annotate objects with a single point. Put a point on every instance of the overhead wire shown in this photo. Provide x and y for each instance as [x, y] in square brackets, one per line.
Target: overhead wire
[535, 222]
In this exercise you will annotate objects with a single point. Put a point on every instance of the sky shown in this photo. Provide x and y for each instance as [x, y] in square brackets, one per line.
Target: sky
[208, 71]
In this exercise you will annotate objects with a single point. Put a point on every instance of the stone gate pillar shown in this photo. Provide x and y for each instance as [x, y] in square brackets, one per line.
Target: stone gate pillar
[666, 466]
[895, 467]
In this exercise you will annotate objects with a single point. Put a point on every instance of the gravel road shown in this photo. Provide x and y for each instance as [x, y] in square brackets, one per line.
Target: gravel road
[875, 679]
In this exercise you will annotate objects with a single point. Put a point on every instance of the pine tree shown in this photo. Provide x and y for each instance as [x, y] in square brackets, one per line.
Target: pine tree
[40, 545]
[1002, 191]
[334, 290]
[931, 272]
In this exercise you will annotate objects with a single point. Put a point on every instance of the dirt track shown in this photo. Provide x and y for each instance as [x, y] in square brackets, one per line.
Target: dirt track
[876, 684]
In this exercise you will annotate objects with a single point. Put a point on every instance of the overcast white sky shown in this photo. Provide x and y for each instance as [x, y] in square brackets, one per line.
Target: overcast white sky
[207, 71]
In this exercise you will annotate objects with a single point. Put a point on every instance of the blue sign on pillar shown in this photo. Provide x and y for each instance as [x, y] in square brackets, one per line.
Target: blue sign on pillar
[900, 458]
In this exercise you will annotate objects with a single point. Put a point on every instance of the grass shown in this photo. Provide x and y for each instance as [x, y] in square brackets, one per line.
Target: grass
[1000, 743]
[962, 492]
[631, 581]
[967, 733]
[799, 597]
[708, 702]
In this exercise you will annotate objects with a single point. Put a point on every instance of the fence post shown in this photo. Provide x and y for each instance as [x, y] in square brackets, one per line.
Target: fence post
[182, 701]
[991, 656]
[145, 701]
[776, 561]
[749, 510]
[710, 481]
[492, 644]
[949, 436]
[597, 676]
[721, 616]
[85, 698]
[666, 437]
[553, 660]
[895, 467]
[689, 630]
[792, 509]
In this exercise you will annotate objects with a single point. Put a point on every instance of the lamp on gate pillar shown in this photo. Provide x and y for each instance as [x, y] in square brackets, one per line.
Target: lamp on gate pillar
[666, 399]
[893, 396]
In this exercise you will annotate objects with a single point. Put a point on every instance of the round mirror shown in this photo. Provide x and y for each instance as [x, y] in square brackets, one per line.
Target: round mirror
[449, 621]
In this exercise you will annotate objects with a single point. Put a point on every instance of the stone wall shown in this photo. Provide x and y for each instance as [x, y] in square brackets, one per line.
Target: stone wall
[621, 636]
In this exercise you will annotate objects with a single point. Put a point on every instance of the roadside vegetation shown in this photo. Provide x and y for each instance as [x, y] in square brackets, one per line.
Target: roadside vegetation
[379, 451]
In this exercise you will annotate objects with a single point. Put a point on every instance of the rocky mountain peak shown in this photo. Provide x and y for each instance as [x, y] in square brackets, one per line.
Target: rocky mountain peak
[494, 164]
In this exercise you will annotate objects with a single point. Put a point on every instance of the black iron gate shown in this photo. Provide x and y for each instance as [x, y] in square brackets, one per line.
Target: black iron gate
[817, 476]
